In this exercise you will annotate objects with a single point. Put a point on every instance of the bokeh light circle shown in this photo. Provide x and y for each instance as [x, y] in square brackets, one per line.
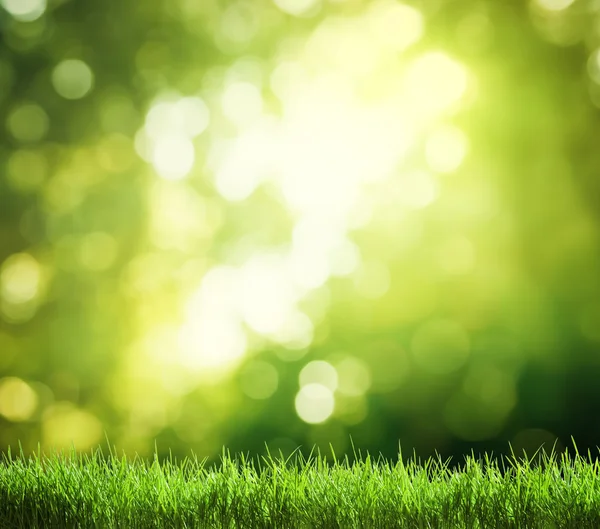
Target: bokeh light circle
[72, 79]
[28, 123]
[25, 10]
[314, 403]
[18, 400]
[319, 372]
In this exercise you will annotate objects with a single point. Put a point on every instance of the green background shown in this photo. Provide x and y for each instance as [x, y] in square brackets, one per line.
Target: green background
[295, 223]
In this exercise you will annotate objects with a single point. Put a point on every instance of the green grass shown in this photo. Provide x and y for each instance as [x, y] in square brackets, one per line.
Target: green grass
[91, 490]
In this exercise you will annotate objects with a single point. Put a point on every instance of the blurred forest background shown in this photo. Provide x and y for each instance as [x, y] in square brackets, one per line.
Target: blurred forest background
[281, 223]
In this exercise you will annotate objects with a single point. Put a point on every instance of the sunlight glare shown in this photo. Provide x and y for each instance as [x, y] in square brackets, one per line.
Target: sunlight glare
[335, 137]
[287, 79]
[242, 103]
[445, 149]
[173, 157]
[344, 257]
[297, 333]
[212, 337]
[309, 271]
[372, 279]
[267, 295]
[213, 342]
[240, 166]
[320, 144]
[417, 189]
[261, 294]
[434, 83]
[166, 138]
[178, 216]
[188, 116]
[395, 25]
[346, 45]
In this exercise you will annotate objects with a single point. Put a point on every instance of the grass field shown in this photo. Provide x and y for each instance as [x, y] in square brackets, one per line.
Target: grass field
[93, 490]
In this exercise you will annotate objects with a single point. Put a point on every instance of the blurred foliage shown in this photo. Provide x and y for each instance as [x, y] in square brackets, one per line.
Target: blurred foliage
[281, 223]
